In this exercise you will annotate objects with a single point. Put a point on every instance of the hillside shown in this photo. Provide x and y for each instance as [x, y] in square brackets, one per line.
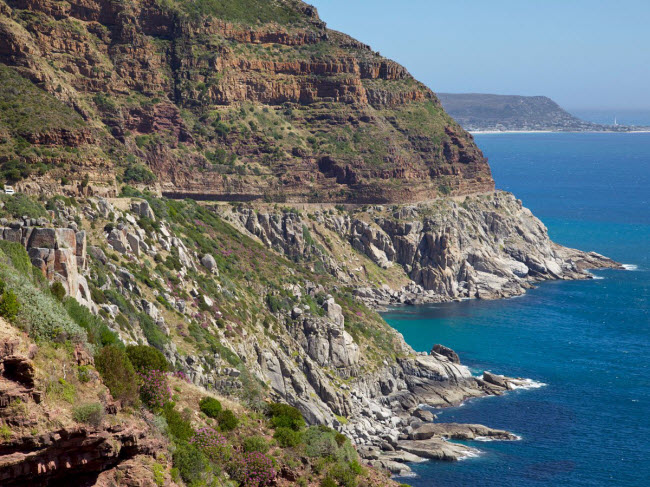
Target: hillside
[219, 100]
[483, 112]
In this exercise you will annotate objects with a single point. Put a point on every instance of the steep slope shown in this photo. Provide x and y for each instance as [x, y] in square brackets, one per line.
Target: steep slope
[223, 100]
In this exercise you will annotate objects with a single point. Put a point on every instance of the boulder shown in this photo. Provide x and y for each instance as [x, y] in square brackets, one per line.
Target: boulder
[446, 352]
[209, 263]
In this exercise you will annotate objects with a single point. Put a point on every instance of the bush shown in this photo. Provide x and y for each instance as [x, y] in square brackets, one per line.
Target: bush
[91, 414]
[343, 475]
[9, 306]
[138, 173]
[145, 358]
[179, 427]
[283, 415]
[323, 442]
[154, 389]
[97, 330]
[286, 437]
[18, 255]
[190, 462]
[210, 406]
[58, 291]
[117, 373]
[62, 389]
[212, 444]
[255, 443]
[227, 420]
[252, 469]
[39, 314]
[84, 374]
[328, 482]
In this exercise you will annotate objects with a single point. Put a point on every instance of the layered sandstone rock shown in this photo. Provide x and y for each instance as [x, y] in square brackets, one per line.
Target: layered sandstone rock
[280, 109]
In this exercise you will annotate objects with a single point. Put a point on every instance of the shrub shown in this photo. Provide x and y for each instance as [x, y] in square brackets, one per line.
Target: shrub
[18, 255]
[84, 374]
[117, 372]
[212, 444]
[343, 475]
[154, 389]
[286, 437]
[58, 291]
[323, 442]
[138, 173]
[283, 415]
[210, 406]
[252, 469]
[39, 314]
[152, 332]
[158, 474]
[328, 482]
[97, 330]
[62, 389]
[190, 462]
[227, 420]
[179, 427]
[145, 358]
[91, 414]
[9, 306]
[255, 443]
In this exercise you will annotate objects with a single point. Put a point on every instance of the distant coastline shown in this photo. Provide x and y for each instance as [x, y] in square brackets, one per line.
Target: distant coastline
[485, 113]
[483, 132]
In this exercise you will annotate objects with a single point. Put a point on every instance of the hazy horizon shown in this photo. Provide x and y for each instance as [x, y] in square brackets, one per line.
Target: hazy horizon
[583, 55]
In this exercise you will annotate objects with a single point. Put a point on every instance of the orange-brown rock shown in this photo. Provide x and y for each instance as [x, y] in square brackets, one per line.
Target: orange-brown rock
[221, 105]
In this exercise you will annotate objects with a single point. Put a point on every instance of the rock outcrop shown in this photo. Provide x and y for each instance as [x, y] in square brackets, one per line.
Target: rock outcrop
[484, 246]
[59, 253]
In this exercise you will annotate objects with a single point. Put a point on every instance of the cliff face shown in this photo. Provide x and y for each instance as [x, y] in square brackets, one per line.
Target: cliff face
[222, 101]
[485, 246]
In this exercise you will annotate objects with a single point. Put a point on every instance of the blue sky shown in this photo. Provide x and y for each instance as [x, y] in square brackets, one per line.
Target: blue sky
[584, 54]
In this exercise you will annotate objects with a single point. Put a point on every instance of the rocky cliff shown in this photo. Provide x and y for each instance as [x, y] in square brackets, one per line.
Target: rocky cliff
[220, 101]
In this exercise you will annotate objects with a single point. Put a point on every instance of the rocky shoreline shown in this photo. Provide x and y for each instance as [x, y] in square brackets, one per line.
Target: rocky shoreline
[485, 247]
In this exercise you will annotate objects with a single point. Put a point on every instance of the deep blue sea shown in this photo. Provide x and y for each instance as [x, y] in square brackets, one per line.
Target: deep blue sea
[588, 341]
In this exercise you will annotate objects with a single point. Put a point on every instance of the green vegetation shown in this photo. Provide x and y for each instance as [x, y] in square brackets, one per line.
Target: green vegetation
[145, 358]
[91, 414]
[117, 373]
[139, 174]
[210, 407]
[20, 205]
[244, 11]
[227, 420]
[285, 416]
[26, 109]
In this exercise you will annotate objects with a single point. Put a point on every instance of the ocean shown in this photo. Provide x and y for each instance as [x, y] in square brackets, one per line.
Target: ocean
[588, 342]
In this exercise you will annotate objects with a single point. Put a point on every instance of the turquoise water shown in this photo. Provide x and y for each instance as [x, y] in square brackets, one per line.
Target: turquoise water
[588, 341]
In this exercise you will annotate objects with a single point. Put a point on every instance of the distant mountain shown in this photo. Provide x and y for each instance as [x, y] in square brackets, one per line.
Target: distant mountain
[478, 112]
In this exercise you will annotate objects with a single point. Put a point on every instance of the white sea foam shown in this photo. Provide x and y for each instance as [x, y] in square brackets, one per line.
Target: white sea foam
[407, 475]
[630, 267]
[597, 278]
[473, 453]
[527, 384]
[487, 439]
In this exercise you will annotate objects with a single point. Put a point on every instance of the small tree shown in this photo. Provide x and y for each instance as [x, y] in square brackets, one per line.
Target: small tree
[145, 358]
[117, 373]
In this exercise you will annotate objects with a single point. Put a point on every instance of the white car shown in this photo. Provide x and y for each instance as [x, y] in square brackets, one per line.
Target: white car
[9, 190]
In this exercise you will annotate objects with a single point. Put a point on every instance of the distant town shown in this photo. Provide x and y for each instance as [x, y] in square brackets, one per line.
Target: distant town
[508, 113]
